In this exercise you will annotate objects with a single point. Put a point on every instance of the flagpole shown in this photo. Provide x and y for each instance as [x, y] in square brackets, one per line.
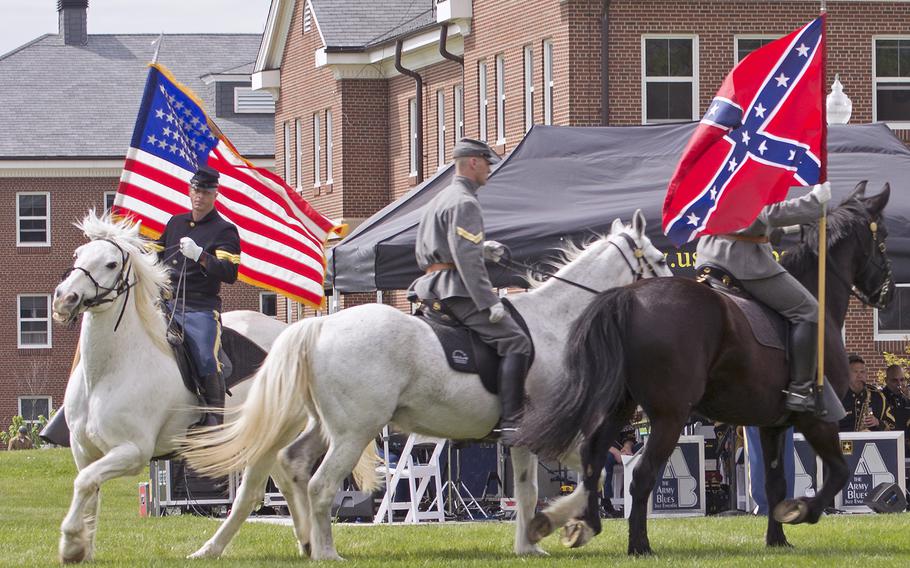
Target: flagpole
[157, 44]
[822, 226]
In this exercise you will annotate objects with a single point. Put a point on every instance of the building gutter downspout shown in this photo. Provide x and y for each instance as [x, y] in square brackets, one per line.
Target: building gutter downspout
[443, 38]
[419, 104]
[605, 65]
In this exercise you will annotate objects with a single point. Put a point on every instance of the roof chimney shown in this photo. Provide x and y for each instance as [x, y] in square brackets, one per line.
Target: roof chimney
[73, 21]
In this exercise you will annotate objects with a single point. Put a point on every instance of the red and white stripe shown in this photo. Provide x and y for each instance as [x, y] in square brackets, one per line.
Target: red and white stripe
[282, 237]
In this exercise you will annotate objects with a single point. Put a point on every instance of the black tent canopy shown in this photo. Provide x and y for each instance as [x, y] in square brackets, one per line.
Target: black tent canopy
[571, 182]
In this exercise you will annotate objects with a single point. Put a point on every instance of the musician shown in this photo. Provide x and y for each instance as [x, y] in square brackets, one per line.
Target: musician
[896, 395]
[866, 406]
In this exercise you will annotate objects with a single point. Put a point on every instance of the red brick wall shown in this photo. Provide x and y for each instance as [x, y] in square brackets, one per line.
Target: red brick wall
[37, 270]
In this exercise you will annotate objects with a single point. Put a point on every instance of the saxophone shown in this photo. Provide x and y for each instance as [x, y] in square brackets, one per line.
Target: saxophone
[859, 423]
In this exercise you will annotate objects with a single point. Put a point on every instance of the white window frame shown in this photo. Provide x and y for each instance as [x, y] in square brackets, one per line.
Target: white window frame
[113, 196]
[307, 17]
[50, 406]
[47, 219]
[240, 91]
[317, 150]
[412, 137]
[298, 154]
[20, 321]
[548, 81]
[440, 128]
[500, 99]
[529, 86]
[262, 296]
[739, 37]
[903, 124]
[483, 97]
[329, 147]
[287, 153]
[693, 79]
[458, 95]
[888, 335]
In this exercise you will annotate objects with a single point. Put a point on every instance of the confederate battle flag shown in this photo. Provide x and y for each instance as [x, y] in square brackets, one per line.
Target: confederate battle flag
[763, 133]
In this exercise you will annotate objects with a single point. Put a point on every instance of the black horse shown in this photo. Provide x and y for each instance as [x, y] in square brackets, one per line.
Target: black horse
[675, 347]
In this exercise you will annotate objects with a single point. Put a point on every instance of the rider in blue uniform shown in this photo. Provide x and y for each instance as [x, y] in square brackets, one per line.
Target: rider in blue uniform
[201, 250]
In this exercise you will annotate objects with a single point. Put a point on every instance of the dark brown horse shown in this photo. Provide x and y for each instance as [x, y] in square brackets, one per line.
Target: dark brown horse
[676, 347]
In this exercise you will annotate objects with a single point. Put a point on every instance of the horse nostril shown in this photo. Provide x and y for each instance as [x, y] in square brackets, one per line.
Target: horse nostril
[71, 298]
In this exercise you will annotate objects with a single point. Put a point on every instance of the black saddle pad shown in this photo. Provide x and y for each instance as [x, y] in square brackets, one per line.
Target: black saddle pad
[464, 349]
[768, 327]
[239, 356]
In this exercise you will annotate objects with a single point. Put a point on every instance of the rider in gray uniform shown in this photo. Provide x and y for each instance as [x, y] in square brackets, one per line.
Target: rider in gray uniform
[747, 256]
[451, 252]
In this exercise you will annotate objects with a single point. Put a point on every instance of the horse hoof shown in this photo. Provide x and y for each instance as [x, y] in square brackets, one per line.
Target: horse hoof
[791, 511]
[540, 527]
[72, 554]
[532, 550]
[204, 552]
[644, 550]
[576, 534]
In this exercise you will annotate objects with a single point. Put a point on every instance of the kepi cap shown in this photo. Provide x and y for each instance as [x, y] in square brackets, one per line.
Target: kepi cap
[205, 178]
[468, 147]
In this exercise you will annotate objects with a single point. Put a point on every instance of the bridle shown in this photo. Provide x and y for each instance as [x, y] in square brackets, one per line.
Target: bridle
[104, 294]
[637, 267]
[879, 262]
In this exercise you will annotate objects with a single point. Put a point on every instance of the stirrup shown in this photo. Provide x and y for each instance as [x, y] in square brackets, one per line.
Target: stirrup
[799, 402]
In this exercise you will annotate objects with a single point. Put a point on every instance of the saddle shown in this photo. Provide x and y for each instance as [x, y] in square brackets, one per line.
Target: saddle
[464, 349]
[239, 358]
[769, 328]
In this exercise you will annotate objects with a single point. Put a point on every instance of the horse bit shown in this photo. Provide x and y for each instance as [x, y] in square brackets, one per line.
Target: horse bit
[121, 284]
[882, 289]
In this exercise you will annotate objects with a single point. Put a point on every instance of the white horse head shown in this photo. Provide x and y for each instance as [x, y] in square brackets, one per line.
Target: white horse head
[341, 378]
[125, 401]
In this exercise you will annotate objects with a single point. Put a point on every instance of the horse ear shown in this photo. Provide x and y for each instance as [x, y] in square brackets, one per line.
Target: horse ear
[617, 226]
[639, 223]
[858, 192]
[875, 204]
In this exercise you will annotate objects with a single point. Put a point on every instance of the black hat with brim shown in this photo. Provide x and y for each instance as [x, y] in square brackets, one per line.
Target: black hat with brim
[469, 148]
[205, 178]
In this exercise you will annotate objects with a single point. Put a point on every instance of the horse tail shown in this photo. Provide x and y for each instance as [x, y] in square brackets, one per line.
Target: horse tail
[594, 384]
[365, 471]
[274, 413]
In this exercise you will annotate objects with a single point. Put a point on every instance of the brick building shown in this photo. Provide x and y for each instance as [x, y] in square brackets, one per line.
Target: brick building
[354, 131]
[69, 102]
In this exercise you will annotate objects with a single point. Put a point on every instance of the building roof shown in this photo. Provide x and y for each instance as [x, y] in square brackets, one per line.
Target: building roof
[71, 101]
[360, 24]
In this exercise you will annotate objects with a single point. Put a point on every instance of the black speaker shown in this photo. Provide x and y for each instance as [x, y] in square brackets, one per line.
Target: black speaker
[352, 505]
[886, 498]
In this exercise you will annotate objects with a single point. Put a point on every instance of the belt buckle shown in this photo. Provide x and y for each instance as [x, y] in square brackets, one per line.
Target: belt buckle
[437, 307]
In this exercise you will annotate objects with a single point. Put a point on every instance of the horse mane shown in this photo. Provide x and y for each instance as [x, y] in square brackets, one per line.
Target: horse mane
[563, 256]
[151, 277]
[842, 221]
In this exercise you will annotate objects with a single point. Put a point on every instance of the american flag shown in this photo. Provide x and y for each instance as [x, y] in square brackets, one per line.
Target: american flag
[282, 237]
[763, 133]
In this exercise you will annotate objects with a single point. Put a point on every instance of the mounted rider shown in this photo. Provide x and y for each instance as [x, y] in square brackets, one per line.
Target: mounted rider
[210, 249]
[451, 252]
[747, 256]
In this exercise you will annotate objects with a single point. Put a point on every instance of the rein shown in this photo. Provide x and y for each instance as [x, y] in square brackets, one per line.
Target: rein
[882, 289]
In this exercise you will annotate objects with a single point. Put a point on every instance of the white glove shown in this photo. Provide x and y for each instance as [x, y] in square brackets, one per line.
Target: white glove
[497, 312]
[822, 192]
[190, 249]
[493, 251]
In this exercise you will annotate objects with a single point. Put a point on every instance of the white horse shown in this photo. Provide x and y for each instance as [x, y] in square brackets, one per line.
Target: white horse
[344, 376]
[125, 401]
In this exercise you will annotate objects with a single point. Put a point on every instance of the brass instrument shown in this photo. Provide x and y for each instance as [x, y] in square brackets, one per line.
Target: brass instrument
[859, 422]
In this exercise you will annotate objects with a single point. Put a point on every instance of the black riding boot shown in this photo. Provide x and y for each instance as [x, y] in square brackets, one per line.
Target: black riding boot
[803, 354]
[512, 372]
[214, 398]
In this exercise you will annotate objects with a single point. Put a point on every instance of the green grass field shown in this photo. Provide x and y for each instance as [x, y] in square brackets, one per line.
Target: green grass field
[35, 490]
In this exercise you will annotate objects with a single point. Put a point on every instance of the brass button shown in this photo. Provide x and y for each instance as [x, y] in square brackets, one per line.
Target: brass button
[174, 262]
[192, 224]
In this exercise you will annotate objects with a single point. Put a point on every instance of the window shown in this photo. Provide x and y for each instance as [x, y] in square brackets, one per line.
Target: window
[307, 18]
[746, 44]
[669, 85]
[482, 96]
[287, 153]
[548, 82]
[500, 99]
[248, 101]
[529, 87]
[893, 322]
[459, 112]
[329, 146]
[891, 78]
[298, 154]
[33, 215]
[109, 197]
[34, 321]
[33, 407]
[440, 128]
[412, 137]
[317, 151]
[268, 303]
